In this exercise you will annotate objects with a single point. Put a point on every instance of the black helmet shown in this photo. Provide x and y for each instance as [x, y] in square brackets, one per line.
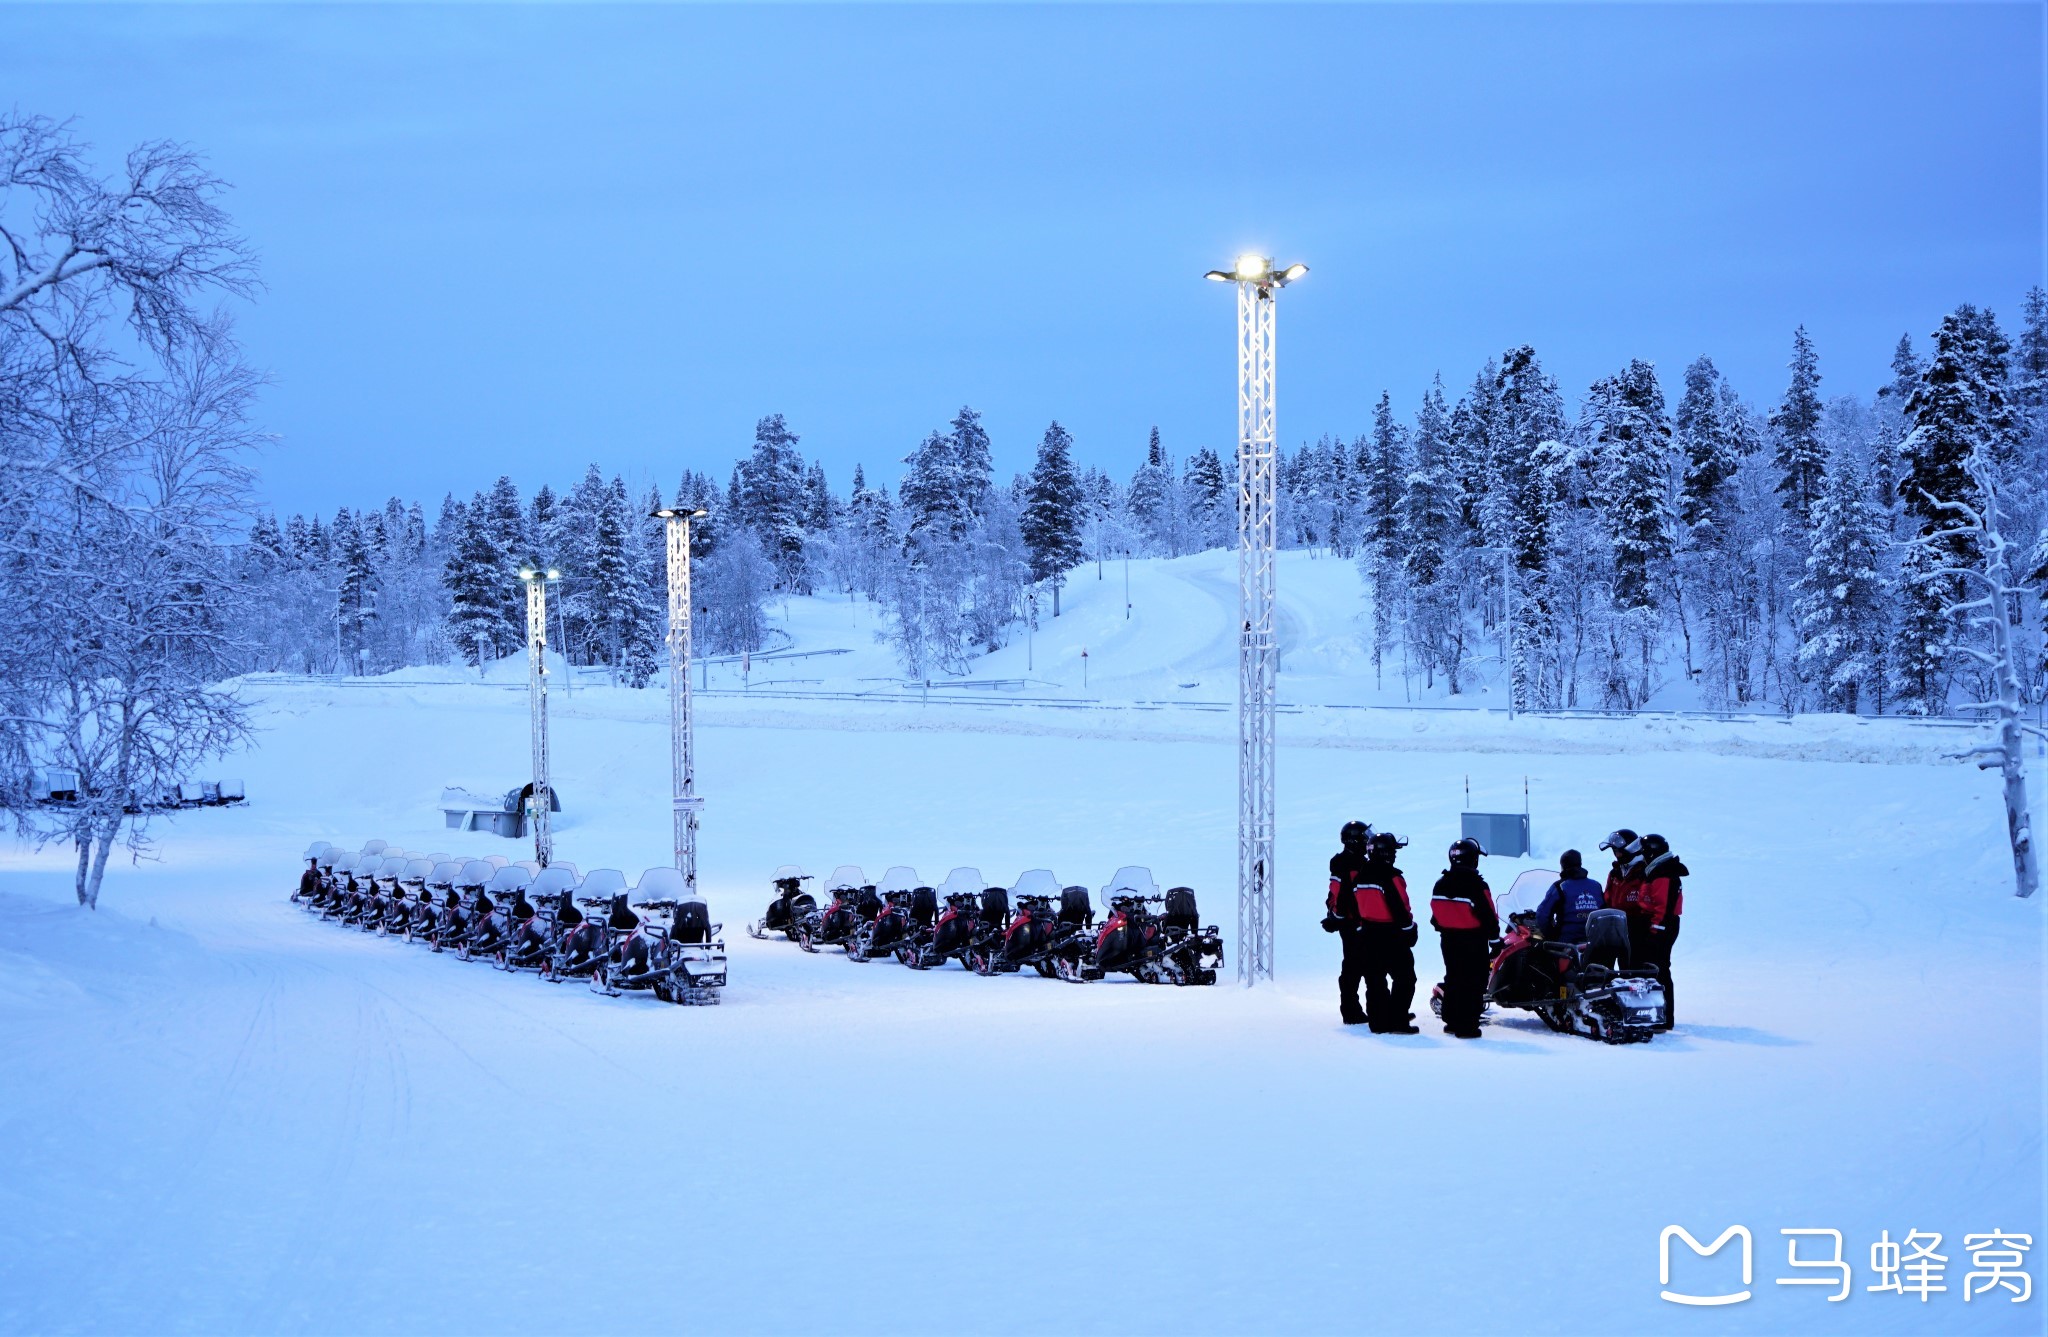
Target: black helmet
[1570, 861]
[1619, 841]
[1465, 853]
[1385, 845]
[1355, 833]
[453, 900]
[1651, 846]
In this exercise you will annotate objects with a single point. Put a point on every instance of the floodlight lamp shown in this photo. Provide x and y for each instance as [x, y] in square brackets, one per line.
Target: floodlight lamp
[526, 573]
[1294, 272]
[554, 574]
[698, 515]
[1219, 276]
[1251, 268]
[665, 513]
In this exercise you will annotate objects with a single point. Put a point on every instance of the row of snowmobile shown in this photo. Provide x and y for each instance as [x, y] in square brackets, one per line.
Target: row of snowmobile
[1035, 923]
[654, 937]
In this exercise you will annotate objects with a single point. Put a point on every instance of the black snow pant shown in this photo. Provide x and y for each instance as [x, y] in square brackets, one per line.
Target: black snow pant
[1379, 954]
[1465, 970]
[1656, 954]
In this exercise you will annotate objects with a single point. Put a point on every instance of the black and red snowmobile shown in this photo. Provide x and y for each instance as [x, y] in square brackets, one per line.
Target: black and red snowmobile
[852, 905]
[1571, 986]
[951, 932]
[905, 912]
[792, 904]
[1170, 947]
[1048, 918]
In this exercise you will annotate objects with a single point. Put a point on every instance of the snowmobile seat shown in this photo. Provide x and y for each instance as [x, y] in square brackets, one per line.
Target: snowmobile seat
[1180, 909]
[924, 905]
[995, 905]
[1074, 906]
[1607, 938]
[867, 902]
[692, 922]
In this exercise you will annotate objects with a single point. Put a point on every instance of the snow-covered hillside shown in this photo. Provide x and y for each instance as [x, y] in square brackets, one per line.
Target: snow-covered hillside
[222, 1116]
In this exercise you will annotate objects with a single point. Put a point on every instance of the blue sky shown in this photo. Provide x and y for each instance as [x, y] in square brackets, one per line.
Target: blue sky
[521, 239]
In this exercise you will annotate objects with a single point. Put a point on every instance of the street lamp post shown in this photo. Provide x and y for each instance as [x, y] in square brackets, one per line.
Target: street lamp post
[1257, 649]
[682, 735]
[536, 579]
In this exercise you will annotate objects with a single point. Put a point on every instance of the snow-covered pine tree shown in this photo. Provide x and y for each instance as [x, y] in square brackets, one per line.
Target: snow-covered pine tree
[1842, 596]
[1051, 520]
[624, 621]
[975, 468]
[773, 500]
[1892, 398]
[930, 491]
[475, 575]
[1210, 510]
[1431, 528]
[1633, 438]
[1380, 553]
[1801, 457]
[355, 608]
[821, 508]
[1148, 498]
[542, 524]
[1962, 407]
[1527, 412]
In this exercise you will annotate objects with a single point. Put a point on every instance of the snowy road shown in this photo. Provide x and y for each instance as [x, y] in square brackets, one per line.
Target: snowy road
[217, 1115]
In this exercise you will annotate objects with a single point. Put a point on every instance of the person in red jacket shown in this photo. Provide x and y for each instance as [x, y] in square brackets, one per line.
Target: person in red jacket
[1622, 884]
[1368, 906]
[1462, 912]
[1653, 926]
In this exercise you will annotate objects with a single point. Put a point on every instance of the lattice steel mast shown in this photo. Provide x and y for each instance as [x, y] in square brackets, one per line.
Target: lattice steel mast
[682, 733]
[1257, 650]
[536, 581]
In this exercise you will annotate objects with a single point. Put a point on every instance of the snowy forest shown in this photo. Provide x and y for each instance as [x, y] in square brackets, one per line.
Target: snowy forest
[1807, 552]
[1800, 554]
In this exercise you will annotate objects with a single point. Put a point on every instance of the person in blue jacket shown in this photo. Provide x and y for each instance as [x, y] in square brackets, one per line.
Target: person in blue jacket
[1562, 915]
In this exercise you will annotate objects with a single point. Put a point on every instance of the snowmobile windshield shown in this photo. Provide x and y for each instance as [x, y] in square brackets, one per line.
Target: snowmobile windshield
[788, 872]
[508, 880]
[1526, 891]
[844, 878]
[553, 880]
[496, 860]
[366, 865]
[1131, 881]
[376, 846]
[1037, 882]
[602, 882]
[392, 867]
[959, 880]
[416, 870]
[899, 878]
[443, 874]
[660, 884]
[475, 873]
[332, 858]
[316, 849]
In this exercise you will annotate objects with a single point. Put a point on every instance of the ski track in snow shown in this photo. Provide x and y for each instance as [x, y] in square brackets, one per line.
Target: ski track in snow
[218, 1115]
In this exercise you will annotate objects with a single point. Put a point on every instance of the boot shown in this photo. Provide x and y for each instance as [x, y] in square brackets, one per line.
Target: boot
[1351, 1013]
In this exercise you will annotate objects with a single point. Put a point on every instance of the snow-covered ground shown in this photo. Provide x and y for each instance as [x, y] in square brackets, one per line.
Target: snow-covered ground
[218, 1115]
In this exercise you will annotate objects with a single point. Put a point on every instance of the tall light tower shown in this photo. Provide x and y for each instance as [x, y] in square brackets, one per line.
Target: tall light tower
[536, 579]
[682, 736]
[1258, 653]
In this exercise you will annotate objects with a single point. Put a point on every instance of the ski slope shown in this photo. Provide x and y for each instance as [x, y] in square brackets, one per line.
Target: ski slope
[220, 1116]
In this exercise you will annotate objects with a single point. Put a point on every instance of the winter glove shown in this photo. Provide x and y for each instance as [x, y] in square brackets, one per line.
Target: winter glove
[1331, 923]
